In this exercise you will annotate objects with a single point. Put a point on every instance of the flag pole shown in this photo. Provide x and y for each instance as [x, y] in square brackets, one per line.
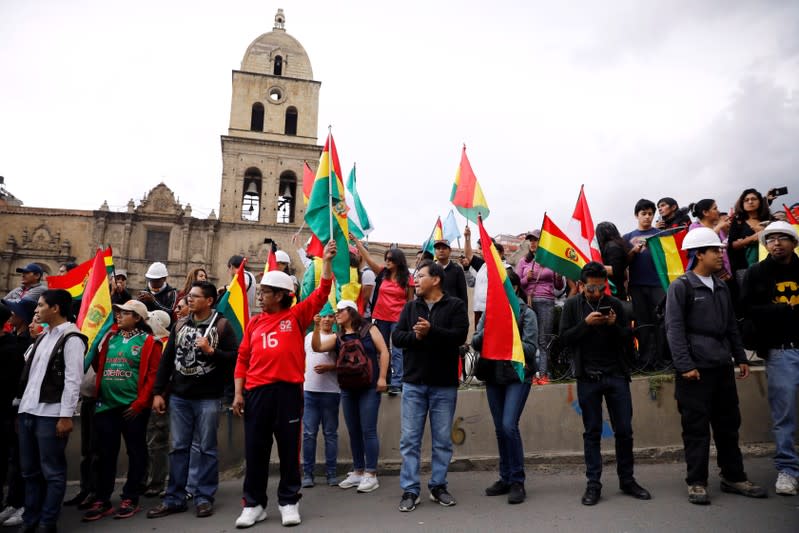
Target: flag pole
[330, 177]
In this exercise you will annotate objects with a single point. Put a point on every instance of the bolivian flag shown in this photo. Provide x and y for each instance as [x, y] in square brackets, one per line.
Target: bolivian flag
[467, 195]
[75, 280]
[436, 235]
[95, 317]
[557, 252]
[234, 305]
[501, 338]
[669, 258]
[326, 214]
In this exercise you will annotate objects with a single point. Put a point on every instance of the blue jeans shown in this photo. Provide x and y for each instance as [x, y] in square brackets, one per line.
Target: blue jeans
[192, 420]
[360, 414]
[44, 469]
[506, 403]
[395, 360]
[417, 402]
[616, 392]
[782, 369]
[545, 313]
[320, 407]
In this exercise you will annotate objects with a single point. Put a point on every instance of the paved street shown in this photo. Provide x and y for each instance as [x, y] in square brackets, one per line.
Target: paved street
[553, 504]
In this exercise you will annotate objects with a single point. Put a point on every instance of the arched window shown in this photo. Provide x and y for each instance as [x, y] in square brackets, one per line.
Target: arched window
[257, 117]
[278, 70]
[251, 195]
[291, 121]
[287, 198]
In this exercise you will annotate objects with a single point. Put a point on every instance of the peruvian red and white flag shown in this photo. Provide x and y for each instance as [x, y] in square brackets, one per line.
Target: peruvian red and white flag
[581, 229]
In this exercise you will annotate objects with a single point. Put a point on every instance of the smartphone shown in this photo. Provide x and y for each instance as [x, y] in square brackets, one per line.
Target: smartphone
[604, 309]
[780, 191]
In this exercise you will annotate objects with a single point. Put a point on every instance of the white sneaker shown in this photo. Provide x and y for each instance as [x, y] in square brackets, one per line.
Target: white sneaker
[250, 515]
[290, 514]
[6, 513]
[368, 484]
[786, 485]
[352, 480]
[15, 519]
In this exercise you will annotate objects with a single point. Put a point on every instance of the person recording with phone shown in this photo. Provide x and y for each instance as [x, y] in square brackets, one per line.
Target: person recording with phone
[596, 330]
[751, 216]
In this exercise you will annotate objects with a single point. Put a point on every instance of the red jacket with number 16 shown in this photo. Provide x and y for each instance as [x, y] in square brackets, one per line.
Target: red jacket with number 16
[273, 346]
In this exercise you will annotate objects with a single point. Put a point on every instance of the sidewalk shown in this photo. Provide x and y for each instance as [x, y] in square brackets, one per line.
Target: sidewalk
[553, 504]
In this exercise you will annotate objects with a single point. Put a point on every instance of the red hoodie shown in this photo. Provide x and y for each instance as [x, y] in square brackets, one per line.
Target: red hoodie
[273, 347]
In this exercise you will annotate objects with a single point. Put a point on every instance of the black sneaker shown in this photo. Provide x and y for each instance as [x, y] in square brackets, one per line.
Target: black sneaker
[408, 502]
[442, 497]
[517, 494]
[498, 488]
[78, 498]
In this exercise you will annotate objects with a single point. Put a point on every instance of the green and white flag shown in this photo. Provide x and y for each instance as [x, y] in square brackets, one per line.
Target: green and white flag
[360, 226]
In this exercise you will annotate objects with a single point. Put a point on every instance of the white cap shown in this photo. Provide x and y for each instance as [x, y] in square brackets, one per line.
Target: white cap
[282, 257]
[156, 271]
[135, 306]
[159, 321]
[346, 304]
[701, 238]
[778, 226]
[278, 279]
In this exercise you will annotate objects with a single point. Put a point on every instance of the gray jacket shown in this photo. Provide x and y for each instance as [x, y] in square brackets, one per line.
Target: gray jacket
[702, 333]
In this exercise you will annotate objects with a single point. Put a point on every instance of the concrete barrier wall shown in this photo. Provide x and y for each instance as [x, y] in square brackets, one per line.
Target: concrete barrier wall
[550, 425]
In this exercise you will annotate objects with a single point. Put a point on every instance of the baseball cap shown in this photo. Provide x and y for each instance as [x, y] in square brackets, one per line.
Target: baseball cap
[22, 308]
[445, 242]
[30, 267]
[534, 234]
[135, 306]
[346, 304]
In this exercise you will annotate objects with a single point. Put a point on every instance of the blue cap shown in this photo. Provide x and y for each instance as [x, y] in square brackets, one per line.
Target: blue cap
[30, 267]
[22, 308]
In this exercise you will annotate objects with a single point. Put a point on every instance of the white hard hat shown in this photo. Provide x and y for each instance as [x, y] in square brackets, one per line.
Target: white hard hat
[156, 271]
[778, 226]
[282, 257]
[159, 321]
[278, 279]
[701, 238]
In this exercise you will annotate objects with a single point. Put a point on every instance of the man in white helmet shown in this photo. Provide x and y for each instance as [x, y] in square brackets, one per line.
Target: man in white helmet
[706, 345]
[270, 371]
[158, 295]
[283, 261]
[771, 305]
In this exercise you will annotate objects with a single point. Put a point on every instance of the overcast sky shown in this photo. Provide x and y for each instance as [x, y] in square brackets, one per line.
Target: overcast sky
[102, 100]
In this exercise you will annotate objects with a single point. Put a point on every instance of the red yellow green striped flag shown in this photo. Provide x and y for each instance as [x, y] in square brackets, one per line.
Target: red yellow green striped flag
[328, 196]
[669, 258]
[557, 252]
[75, 280]
[271, 262]
[233, 305]
[436, 235]
[466, 195]
[501, 338]
[95, 317]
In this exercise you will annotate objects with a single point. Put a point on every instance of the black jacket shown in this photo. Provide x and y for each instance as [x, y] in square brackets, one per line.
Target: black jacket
[774, 324]
[573, 329]
[454, 282]
[702, 333]
[12, 362]
[432, 360]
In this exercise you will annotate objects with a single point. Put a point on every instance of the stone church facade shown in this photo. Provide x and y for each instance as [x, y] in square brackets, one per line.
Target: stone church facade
[271, 135]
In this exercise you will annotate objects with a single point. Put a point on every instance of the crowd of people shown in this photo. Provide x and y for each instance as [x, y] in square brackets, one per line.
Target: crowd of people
[170, 362]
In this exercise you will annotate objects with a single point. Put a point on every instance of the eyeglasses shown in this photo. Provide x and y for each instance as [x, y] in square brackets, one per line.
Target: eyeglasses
[388, 259]
[778, 238]
[191, 296]
[595, 288]
[340, 310]
[125, 312]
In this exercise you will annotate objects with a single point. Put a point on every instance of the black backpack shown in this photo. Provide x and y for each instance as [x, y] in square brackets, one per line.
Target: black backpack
[354, 367]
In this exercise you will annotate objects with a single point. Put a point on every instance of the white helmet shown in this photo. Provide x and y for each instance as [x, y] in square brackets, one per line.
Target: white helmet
[701, 238]
[156, 271]
[778, 226]
[278, 279]
[282, 257]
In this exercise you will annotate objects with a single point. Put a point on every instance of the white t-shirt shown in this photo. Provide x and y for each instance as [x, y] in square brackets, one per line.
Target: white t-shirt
[707, 280]
[327, 382]
[480, 289]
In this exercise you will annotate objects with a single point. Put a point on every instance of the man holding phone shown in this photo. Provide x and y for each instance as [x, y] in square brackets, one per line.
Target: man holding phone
[597, 332]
